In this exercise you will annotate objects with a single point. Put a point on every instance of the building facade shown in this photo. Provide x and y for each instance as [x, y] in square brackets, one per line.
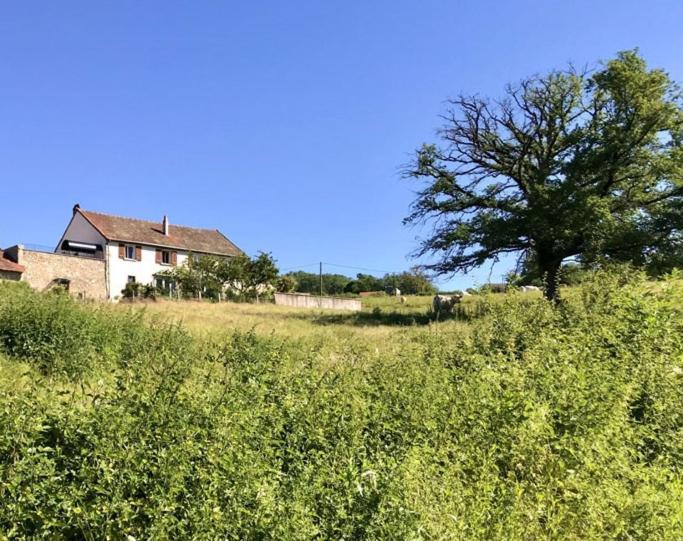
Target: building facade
[99, 254]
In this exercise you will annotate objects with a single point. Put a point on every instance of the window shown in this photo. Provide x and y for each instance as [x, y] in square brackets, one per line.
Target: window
[131, 279]
[166, 257]
[130, 252]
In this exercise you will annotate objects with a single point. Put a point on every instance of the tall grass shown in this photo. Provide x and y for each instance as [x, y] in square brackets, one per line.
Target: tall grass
[539, 422]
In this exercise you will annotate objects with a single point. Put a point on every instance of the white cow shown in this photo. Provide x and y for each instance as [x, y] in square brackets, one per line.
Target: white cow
[444, 304]
[527, 289]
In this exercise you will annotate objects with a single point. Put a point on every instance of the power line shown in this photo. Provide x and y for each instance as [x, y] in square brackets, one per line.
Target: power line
[360, 268]
[340, 266]
[298, 267]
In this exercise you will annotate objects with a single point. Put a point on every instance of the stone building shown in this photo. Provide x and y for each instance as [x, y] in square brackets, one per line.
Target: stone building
[10, 270]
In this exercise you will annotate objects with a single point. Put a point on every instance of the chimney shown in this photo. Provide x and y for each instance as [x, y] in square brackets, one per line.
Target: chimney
[76, 207]
[165, 225]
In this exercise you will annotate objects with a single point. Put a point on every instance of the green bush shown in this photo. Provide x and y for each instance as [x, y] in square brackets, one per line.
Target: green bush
[539, 422]
[136, 290]
[50, 329]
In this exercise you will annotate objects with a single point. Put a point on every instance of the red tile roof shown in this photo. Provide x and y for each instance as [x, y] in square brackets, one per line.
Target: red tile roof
[192, 239]
[9, 265]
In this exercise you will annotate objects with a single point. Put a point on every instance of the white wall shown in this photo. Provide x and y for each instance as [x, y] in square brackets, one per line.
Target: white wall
[311, 301]
[144, 270]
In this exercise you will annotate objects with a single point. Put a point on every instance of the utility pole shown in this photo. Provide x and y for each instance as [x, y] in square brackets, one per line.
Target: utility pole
[321, 279]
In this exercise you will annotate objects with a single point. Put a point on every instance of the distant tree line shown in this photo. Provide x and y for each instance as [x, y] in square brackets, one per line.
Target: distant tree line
[412, 282]
[244, 278]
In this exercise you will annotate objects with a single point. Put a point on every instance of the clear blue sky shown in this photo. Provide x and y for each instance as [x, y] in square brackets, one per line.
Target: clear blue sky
[284, 124]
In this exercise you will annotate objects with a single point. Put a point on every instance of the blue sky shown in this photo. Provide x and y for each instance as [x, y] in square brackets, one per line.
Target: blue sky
[284, 124]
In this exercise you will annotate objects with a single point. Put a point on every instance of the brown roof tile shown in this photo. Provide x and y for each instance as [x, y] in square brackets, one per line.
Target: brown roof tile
[8, 265]
[116, 228]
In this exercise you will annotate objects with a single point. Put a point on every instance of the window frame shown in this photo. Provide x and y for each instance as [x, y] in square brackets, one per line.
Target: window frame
[127, 247]
[166, 258]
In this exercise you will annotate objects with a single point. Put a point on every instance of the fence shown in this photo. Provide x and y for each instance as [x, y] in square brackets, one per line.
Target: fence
[310, 301]
[43, 249]
[38, 248]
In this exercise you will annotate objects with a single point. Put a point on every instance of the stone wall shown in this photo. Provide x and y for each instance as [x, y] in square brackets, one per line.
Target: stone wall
[310, 301]
[86, 276]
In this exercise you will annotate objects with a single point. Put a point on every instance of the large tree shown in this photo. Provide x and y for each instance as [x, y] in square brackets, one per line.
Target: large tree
[573, 163]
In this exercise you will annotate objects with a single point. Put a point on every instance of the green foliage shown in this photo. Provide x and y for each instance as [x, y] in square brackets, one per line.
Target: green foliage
[308, 282]
[538, 423]
[61, 337]
[286, 284]
[365, 282]
[261, 275]
[412, 282]
[569, 274]
[136, 290]
[50, 329]
[239, 277]
[567, 164]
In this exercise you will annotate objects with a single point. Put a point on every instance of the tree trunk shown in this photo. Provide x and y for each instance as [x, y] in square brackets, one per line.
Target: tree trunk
[550, 271]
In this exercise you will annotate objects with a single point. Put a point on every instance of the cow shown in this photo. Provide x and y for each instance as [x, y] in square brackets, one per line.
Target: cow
[527, 289]
[455, 299]
[445, 304]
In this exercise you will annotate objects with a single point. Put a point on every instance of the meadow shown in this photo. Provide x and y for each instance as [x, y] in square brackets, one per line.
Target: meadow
[515, 419]
[377, 323]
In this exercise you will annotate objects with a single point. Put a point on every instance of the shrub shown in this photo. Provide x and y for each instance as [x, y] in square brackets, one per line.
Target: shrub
[136, 290]
[538, 422]
[50, 329]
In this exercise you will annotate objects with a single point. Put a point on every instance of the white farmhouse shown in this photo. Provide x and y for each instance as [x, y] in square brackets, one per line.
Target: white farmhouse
[137, 250]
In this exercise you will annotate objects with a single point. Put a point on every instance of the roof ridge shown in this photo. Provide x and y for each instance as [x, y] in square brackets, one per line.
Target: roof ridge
[160, 223]
[123, 229]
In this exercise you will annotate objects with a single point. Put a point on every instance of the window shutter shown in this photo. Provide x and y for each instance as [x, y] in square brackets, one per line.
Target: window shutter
[174, 258]
[122, 251]
[138, 253]
[158, 257]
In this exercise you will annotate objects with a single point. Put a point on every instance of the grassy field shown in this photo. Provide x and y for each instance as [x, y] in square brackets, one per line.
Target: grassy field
[513, 420]
[381, 318]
